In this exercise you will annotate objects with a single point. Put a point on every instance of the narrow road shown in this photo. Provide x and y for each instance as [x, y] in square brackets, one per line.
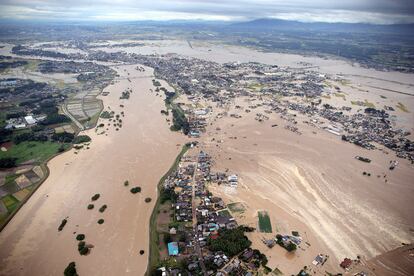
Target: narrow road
[67, 113]
[196, 241]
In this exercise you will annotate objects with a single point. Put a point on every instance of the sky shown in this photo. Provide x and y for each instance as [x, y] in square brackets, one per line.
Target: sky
[350, 11]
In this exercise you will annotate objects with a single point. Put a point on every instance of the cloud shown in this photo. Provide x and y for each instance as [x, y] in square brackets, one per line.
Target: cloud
[372, 11]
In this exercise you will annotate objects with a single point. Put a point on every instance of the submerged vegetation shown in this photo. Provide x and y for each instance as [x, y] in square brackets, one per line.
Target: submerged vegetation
[80, 237]
[402, 107]
[95, 197]
[81, 139]
[70, 270]
[136, 190]
[62, 224]
[82, 248]
[103, 208]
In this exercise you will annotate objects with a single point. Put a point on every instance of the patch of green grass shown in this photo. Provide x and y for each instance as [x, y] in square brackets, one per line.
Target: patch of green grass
[224, 213]
[2, 119]
[365, 103]
[236, 207]
[10, 202]
[256, 86]
[30, 150]
[31, 65]
[369, 104]
[265, 225]
[340, 95]
[402, 107]
[10, 178]
[327, 84]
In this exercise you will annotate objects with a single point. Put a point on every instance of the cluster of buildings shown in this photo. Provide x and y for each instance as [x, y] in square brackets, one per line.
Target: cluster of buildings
[205, 216]
[24, 121]
[197, 120]
[221, 83]
[69, 67]
[362, 129]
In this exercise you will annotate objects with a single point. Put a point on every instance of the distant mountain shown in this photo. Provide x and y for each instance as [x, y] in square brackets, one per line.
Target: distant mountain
[267, 24]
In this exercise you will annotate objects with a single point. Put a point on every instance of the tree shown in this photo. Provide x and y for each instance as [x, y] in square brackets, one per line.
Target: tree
[8, 162]
[70, 270]
[167, 238]
[136, 190]
[81, 139]
[95, 197]
[230, 241]
[84, 251]
[180, 122]
[291, 247]
[52, 119]
[168, 194]
[64, 137]
[62, 224]
[103, 208]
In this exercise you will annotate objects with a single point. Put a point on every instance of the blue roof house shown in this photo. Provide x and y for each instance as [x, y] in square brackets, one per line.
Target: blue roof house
[173, 249]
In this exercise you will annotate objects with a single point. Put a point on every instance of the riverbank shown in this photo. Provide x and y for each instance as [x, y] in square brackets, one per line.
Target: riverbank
[154, 255]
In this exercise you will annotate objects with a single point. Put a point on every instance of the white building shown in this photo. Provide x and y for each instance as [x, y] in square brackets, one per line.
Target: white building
[232, 178]
[30, 120]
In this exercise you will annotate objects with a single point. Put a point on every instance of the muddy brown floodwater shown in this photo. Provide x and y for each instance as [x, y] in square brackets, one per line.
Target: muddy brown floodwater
[141, 152]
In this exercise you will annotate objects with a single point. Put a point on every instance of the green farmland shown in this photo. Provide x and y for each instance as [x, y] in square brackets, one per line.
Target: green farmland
[30, 150]
[265, 225]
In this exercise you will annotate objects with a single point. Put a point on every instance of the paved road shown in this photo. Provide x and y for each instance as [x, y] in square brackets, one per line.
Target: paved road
[197, 244]
[67, 113]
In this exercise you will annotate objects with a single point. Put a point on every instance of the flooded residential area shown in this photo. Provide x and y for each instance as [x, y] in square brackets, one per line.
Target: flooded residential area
[163, 153]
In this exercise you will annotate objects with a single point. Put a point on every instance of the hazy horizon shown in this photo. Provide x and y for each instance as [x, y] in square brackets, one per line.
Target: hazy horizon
[363, 11]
